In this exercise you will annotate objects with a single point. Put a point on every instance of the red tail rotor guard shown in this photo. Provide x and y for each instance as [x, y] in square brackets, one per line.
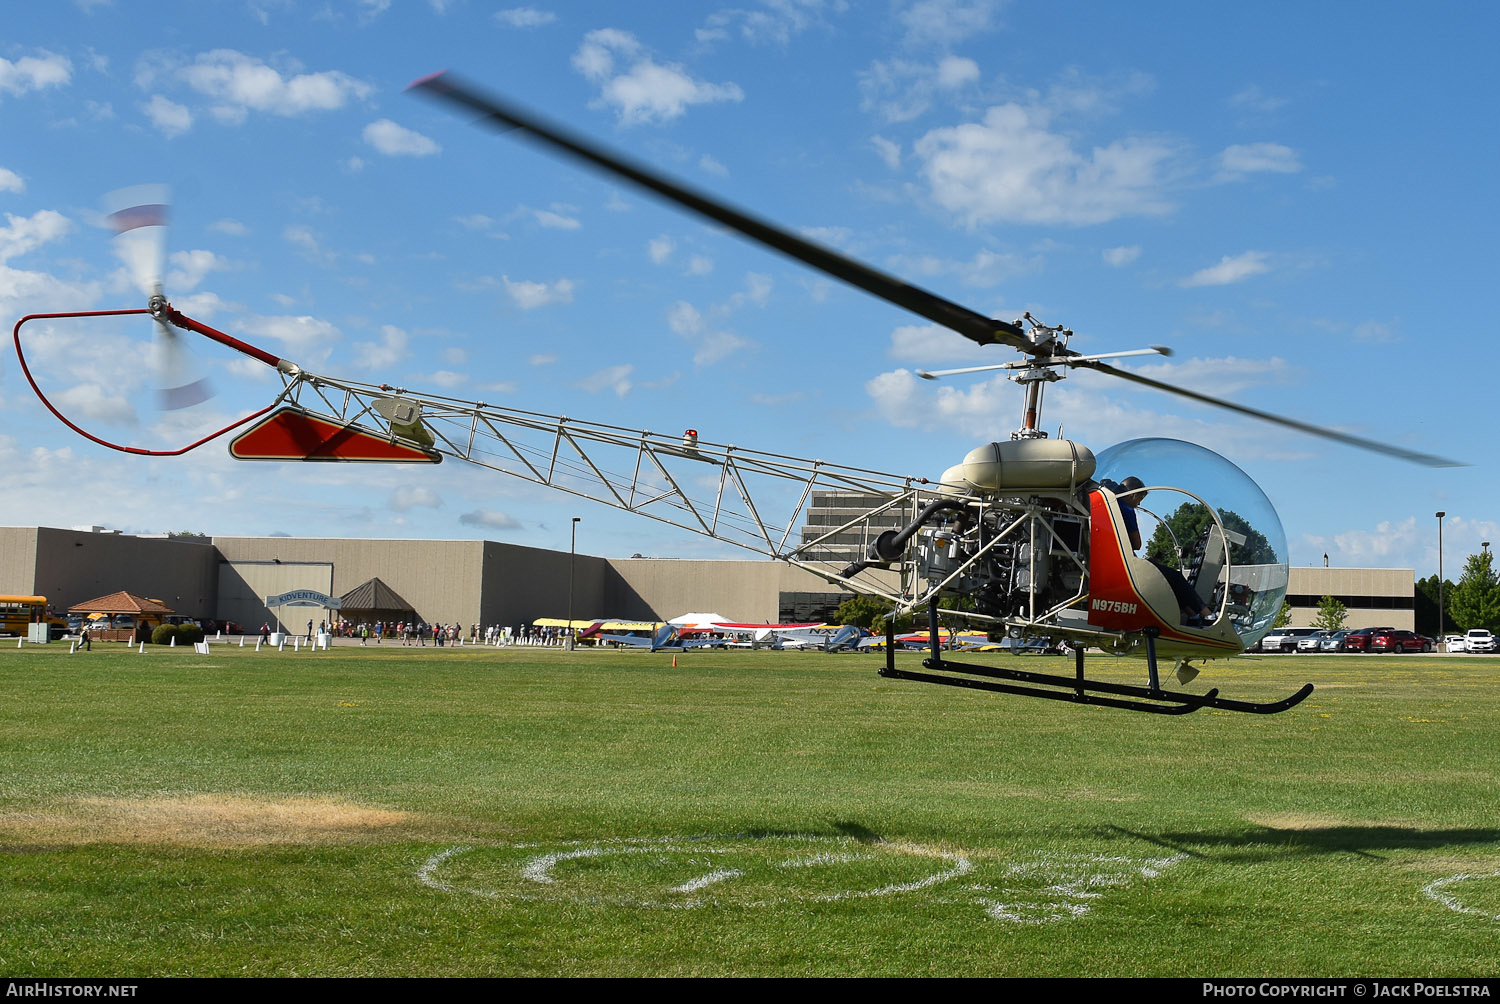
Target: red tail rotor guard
[176, 318]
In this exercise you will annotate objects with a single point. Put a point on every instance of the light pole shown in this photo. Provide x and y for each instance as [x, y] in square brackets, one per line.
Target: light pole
[1440, 515]
[572, 553]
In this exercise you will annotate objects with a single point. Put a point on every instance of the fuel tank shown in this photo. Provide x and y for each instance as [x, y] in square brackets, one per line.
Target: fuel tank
[1022, 465]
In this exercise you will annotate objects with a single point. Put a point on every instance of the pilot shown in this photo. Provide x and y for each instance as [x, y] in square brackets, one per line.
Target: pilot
[1131, 493]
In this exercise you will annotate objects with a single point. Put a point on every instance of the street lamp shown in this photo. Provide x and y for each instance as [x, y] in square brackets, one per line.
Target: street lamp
[572, 552]
[1440, 515]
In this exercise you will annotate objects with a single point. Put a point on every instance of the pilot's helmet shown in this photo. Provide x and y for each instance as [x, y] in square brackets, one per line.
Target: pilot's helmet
[1131, 484]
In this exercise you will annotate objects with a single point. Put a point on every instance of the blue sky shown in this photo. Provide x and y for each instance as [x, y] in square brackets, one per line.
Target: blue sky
[1298, 199]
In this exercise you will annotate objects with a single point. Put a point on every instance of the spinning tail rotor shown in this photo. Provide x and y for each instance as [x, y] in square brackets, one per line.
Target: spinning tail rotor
[139, 217]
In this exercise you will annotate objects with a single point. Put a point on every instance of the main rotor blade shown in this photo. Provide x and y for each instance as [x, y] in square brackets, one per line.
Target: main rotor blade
[1425, 459]
[972, 325]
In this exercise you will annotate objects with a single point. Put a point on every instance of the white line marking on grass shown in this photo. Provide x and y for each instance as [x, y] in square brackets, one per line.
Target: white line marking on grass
[704, 881]
[1041, 890]
[1434, 890]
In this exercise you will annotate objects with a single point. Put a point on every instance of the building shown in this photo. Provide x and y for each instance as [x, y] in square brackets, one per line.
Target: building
[488, 582]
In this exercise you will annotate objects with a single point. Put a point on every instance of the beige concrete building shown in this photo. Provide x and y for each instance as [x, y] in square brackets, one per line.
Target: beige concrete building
[487, 582]
[1376, 597]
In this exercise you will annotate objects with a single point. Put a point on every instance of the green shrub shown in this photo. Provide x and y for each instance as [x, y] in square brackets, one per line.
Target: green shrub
[164, 634]
[189, 634]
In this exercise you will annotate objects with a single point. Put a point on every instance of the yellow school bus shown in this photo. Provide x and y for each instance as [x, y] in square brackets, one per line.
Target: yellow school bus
[18, 611]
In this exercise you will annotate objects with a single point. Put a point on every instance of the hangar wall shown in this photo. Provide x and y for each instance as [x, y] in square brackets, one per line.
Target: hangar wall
[74, 566]
[488, 582]
[1376, 597]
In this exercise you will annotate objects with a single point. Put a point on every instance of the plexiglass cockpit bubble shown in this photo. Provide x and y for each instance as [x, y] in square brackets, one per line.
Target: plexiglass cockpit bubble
[1257, 577]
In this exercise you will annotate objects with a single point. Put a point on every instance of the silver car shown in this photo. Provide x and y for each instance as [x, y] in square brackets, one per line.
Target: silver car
[1313, 642]
[1334, 642]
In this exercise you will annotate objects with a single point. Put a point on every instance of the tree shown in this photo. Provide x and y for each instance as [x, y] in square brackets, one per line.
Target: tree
[1283, 616]
[1425, 601]
[1188, 523]
[1331, 614]
[1475, 601]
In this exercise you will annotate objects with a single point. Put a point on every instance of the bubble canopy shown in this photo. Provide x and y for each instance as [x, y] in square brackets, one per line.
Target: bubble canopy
[1257, 578]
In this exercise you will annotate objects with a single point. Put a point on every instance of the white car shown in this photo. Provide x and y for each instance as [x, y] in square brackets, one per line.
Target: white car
[1285, 639]
[1479, 640]
[1454, 643]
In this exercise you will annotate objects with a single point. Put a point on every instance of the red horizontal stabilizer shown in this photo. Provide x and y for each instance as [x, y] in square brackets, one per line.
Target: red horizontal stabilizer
[295, 435]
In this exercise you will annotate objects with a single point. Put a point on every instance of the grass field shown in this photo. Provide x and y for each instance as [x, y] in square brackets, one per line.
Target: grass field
[393, 811]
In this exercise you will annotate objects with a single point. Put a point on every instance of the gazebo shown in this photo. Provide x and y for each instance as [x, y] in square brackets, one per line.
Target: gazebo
[145, 611]
[373, 601]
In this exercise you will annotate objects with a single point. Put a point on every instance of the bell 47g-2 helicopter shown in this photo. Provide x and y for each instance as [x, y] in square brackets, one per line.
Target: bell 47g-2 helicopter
[1032, 536]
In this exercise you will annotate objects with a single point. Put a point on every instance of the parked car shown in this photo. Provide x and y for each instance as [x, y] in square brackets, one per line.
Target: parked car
[1400, 641]
[1285, 639]
[1479, 640]
[1454, 643]
[1334, 642]
[1359, 640]
[1313, 642]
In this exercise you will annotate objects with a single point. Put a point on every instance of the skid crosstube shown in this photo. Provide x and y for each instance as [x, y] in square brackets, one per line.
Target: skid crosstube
[1078, 689]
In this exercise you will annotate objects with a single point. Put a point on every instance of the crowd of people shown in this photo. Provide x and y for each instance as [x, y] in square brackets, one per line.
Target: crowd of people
[420, 634]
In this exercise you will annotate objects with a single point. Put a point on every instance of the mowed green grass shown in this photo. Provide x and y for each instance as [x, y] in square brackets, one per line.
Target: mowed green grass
[389, 811]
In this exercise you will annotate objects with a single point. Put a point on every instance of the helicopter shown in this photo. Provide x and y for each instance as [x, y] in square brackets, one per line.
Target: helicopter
[1032, 536]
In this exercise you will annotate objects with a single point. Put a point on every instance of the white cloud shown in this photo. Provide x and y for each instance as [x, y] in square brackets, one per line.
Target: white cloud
[775, 23]
[647, 91]
[10, 181]
[476, 221]
[26, 233]
[491, 518]
[524, 17]
[303, 238]
[1251, 158]
[1229, 270]
[241, 84]
[710, 340]
[1227, 375]
[1253, 99]
[987, 268]
[555, 221]
[660, 249]
[947, 22]
[32, 73]
[446, 379]
[94, 403]
[408, 497]
[615, 378]
[1011, 168]
[1117, 257]
[711, 166]
[888, 151]
[398, 141]
[189, 267]
[931, 344]
[529, 295]
[233, 228]
[542, 359]
[390, 350]
[899, 90]
[700, 265]
[203, 306]
[308, 339]
[169, 118]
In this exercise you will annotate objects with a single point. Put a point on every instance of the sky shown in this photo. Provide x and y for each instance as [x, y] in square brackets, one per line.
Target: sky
[1298, 199]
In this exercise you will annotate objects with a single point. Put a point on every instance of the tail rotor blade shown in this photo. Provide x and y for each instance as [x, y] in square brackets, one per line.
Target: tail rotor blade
[138, 215]
[179, 384]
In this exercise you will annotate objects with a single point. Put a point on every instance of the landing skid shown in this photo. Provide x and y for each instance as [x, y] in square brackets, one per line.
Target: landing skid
[1076, 689]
